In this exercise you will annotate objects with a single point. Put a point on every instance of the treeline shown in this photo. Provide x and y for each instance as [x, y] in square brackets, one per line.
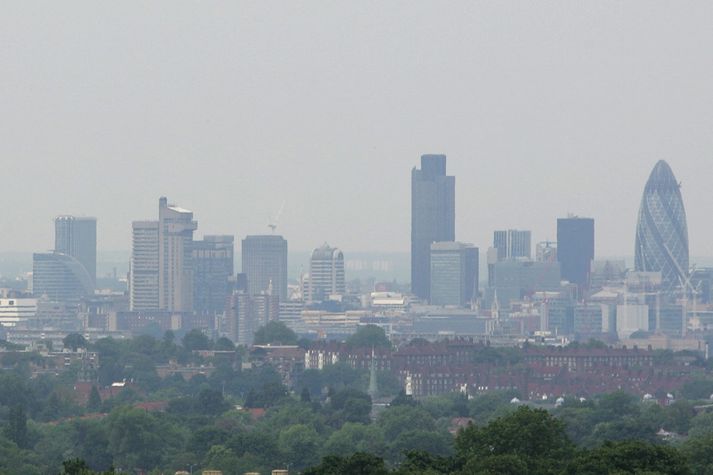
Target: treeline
[239, 420]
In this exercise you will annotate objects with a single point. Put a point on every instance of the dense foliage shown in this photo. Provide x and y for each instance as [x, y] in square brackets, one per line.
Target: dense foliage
[238, 418]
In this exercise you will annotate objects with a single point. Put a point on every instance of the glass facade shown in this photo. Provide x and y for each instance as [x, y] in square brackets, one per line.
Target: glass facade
[662, 232]
[432, 217]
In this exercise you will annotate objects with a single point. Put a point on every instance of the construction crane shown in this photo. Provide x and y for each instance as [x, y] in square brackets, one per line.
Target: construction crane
[274, 220]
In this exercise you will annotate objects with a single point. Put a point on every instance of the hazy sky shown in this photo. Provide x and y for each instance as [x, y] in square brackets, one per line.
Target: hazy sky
[231, 108]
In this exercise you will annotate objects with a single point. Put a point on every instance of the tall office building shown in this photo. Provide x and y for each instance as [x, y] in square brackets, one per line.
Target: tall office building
[326, 274]
[432, 217]
[454, 273]
[575, 249]
[60, 277]
[661, 231]
[175, 258]
[143, 280]
[212, 268]
[265, 264]
[162, 261]
[77, 237]
[512, 244]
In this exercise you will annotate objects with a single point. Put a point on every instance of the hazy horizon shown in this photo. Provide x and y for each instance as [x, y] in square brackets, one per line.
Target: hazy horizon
[229, 109]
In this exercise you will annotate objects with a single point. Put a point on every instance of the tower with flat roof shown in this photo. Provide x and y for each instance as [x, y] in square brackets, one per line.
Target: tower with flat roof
[432, 217]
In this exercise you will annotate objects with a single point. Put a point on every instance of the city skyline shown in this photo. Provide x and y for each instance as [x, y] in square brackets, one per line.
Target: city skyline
[533, 128]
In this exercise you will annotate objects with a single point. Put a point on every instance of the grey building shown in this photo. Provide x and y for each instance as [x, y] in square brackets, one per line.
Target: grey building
[77, 237]
[162, 261]
[432, 217]
[143, 277]
[326, 274]
[515, 279]
[512, 244]
[588, 319]
[245, 314]
[60, 277]
[175, 258]
[212, 268]
[661, 230]
[264, 262]
[575, 250]
[454, 273]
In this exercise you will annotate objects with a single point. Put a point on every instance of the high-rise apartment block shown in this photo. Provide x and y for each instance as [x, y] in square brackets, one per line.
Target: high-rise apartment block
[265, 264]
[162, 261]
[175, 257]
[77, 237]
[454, 273]
[212, 269]
[143, 280]
[432, 217]
[512, 244]
[575, 249]
[326, 274]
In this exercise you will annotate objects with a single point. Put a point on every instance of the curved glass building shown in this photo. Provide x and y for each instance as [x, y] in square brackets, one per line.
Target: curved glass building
[661, 232]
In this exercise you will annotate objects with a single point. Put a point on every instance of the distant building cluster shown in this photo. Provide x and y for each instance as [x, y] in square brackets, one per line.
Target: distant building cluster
[550, 292]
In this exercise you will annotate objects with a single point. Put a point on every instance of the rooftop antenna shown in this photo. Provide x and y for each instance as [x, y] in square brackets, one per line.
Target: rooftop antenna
[274, 220]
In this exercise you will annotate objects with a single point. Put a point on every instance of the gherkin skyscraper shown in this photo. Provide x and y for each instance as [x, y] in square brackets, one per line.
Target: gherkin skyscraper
[661, 232]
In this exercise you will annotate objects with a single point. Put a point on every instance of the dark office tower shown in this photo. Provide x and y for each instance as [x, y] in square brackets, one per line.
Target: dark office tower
[60, 277]
[265, 264]
[575, 249]
[212, 269]
[661, 231]
[512, 244]
[432, 217]
[77, 237]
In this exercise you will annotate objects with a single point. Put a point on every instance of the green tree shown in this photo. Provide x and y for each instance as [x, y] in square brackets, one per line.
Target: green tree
[94, 403]
[224, 344]
[74, 341]
[423, 463]
[349, 405]
[300, 445]
[266, 396]
[630, 457]
[533, 435]
[195, 340]
[432, 442]
[396, 420]
[697, 389]
[275, 332]
[210, 401]
[699, 452]
[355, 437]
[369, 336]
[138, 439]
[221, 458]
[359, 463]
[16, 429]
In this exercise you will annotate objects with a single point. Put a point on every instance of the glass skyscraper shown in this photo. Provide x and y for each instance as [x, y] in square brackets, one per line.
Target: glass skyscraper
[265, 264]
[575, 249]
[432, 217]
[661, 231]
[77, 237]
